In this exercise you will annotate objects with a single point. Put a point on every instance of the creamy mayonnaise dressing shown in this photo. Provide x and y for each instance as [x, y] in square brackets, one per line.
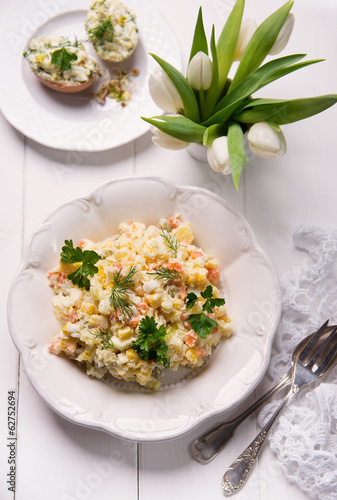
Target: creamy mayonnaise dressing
[39, 56]
[122, 42]
[89, 322]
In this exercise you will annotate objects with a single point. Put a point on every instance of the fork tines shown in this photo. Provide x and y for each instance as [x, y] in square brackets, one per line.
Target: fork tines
[313, 341]
[326, 351]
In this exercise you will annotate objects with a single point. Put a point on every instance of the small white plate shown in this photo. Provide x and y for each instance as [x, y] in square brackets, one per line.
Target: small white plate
[78, 122]
[250, 286]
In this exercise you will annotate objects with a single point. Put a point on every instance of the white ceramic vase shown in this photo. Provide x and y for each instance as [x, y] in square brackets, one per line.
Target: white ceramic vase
[198, 151]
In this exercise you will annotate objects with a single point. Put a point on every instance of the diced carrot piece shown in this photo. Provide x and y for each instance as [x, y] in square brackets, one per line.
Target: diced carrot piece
[134, 322]
[143, 307]
[176, 266]
[72, 316]
[190, 338]
[175, 221]
[213, 274]
[195, 254]
[202, 352]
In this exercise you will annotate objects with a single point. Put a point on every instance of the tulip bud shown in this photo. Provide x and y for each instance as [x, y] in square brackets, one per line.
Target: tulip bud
[218, 156]
[265, 141]
[164, 92]
[200, 71]
[283, 36]
[248, 27]
[166, 141]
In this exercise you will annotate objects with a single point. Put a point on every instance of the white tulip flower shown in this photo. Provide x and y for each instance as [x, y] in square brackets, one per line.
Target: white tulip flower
[247, 29]
[218, 156]
[283, 36]
[164, 92]
[266, 141]
[166, 141]
[200, 71]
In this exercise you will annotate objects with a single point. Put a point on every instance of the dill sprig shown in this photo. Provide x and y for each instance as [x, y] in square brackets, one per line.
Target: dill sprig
[170, 240]
[164, 273]
[105, 338]
[121, 287]
[103, 30]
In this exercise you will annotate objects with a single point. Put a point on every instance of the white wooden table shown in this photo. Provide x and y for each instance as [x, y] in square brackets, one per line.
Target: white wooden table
[58, 460]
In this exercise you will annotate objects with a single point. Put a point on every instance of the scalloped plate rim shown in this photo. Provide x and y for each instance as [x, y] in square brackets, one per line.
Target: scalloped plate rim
[104, 426]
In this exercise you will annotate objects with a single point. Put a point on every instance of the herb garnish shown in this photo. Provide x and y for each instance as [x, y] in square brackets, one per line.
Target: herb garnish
[105, 337]
[202, 324]
[122, 285]
[164, 273]
[150, 344]
[103, 30]
[170, 240]
[62, 58]
[87, 258]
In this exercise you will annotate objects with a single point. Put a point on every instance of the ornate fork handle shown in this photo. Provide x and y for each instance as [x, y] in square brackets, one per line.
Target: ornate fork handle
[209, 444]
[238, 472]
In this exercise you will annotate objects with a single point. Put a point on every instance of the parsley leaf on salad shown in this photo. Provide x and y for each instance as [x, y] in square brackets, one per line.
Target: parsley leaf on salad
[202, 324]
[191, 300]
[62, 58]
[150, 344]
[87, 259]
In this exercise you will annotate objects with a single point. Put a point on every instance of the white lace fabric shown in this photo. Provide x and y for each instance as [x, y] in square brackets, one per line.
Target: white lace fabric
[305, 436]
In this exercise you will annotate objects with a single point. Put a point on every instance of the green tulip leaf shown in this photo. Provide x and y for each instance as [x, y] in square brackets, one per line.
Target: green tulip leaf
[290, 69]
[260, 44]
[233, 100]
[199, 39]
[212, 93]
[213, 132]
[179, 127]
[237, 151]
[227, 42]
[191, 109]
[281, 111]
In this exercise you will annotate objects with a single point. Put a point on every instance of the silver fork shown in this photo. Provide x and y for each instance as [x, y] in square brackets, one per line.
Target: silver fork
[207, 446]
[315, 360]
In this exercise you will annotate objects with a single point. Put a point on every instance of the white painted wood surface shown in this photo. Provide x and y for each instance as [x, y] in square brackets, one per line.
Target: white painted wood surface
[58, 460]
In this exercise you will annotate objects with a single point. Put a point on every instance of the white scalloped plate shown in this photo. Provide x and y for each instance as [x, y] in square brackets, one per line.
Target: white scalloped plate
[77, 122]
[250, 286]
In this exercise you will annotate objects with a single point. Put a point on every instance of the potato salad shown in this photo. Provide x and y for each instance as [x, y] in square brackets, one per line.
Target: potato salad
[112, 29]
[57, 59]
[138, 303]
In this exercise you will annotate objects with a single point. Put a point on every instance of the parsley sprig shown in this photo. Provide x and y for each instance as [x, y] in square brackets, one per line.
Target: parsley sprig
[103, 30]
[202, 324]
[62, 58]
[87, 259]
[150, 344]
[121, 287]
[164, 273]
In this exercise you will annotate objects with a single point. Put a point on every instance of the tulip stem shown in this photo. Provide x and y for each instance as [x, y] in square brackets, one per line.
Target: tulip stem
[202, 104]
